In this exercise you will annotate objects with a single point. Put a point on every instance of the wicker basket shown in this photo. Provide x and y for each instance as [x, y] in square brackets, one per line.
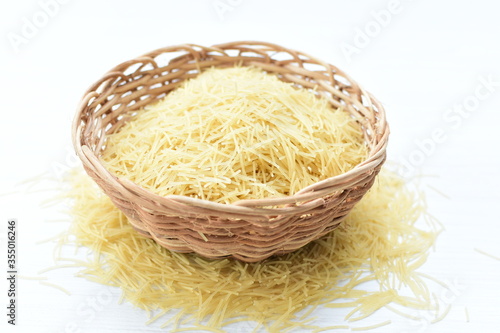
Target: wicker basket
[249, 230]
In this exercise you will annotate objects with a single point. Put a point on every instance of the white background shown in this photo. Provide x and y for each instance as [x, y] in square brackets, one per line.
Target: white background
[422, 61]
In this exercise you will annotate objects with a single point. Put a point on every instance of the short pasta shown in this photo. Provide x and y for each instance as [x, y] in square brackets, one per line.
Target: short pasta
[235, 133]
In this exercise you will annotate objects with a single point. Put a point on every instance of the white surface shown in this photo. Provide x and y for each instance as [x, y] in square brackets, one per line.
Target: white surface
[429, 57]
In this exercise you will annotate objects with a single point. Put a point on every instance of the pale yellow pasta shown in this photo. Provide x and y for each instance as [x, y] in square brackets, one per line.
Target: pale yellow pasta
[235, 133]
[379, 242]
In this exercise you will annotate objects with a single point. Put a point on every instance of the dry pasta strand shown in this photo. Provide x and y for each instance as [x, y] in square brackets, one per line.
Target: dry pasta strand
[378, 242]
[232, 134]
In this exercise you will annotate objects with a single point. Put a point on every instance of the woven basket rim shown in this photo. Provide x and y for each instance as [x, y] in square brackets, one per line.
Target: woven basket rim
[245, 205]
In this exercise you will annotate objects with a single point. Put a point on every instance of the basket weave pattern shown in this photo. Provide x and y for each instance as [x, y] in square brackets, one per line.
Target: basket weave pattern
[249, 230]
